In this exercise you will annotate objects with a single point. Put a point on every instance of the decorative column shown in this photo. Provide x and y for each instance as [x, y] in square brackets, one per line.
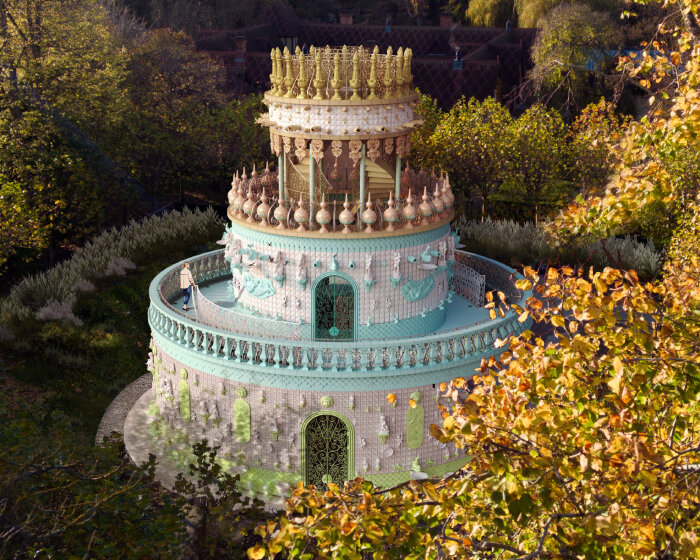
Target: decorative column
[362, 178]
[312, 184]
[397, 179]
[280, 174]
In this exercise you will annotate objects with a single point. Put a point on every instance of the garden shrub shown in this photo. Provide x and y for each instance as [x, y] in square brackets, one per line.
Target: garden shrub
[506, 239]
[51, 295]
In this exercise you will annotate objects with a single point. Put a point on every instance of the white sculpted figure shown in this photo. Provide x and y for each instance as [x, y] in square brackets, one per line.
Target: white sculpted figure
[396, 265]
[369, 275]
[442, 250]
[279, 265]
[301, 269]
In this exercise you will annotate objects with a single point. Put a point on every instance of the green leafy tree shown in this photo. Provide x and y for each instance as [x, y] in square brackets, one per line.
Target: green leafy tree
[61, 64]
[531, 12]
[62, 499]
[536, 159]
[225, 520]
[490, 13]
[422, 150]
[468, 143]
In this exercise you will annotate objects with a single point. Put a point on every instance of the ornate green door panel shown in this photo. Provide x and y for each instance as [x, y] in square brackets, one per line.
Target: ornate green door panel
[334, 309]
[327, 456]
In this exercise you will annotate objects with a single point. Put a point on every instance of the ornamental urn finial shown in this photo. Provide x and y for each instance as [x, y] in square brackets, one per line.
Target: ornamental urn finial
[281, 214]
[263, 209]
[369, 216]
[249, 205]
[391, 215]
[426, 209]
[323, 216]
[346, 216]
[301, 216]
[438, 203]
[409, 211]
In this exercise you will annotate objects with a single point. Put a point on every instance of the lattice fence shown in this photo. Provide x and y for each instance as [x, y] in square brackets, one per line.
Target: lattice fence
[469, 284]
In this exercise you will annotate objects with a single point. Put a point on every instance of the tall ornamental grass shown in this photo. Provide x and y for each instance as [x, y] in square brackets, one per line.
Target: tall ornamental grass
[51, 295]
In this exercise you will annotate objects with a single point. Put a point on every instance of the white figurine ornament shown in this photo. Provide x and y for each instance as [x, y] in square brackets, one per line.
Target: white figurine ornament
[396, 265]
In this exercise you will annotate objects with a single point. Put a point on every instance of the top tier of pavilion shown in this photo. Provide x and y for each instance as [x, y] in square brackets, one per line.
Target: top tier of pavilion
[340, 122]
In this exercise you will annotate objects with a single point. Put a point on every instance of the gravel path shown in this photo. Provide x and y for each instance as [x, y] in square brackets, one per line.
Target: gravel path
[115, 415]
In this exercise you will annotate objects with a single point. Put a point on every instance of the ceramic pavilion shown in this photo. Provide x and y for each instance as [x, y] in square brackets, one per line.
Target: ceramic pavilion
[320, 332]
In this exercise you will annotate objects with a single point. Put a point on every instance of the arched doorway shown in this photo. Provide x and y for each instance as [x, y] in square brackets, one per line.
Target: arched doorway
[327, 444]
[334, 307]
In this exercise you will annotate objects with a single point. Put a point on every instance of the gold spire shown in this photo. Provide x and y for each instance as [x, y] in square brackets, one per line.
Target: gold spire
[399, 72]
[407, 77]
[318, 79]
[372, 81]
[335, 82]
[343, 65]
[273, 72]
[355, 82]
[387, 73]
[289, 76]
[302, 81]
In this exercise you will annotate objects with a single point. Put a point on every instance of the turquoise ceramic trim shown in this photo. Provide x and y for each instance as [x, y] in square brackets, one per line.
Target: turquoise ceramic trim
[338, 244]
[280, 280]
[395, 281]
[351, 442]
[175, 335]
[413, 326]
[258, 287]
[369, 284]
[356, 298]
[334, 262]
[452, 466]
[302, 283]
[416, 290]
[325, 380]
[387, 480]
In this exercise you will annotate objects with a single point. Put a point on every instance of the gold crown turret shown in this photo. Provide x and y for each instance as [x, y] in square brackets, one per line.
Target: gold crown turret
[341, 73]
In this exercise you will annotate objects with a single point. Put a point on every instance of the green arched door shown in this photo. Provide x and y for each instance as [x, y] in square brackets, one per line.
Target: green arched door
[326, 451]
[334, 315]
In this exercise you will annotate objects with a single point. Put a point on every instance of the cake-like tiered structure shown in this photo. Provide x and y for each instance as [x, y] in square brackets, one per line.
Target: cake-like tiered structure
[321, 333]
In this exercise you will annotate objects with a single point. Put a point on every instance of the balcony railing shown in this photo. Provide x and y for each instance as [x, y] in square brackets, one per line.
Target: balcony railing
[458, 345]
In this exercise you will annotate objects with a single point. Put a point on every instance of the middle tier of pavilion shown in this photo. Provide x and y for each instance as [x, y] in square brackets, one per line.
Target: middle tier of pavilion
[262, 200]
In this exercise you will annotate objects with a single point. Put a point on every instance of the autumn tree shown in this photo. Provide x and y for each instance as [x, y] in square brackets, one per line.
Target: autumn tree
[572, 58]
[594, 138]
[587, 445]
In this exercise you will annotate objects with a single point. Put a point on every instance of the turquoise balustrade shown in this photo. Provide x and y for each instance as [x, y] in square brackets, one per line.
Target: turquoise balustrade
[446, 348]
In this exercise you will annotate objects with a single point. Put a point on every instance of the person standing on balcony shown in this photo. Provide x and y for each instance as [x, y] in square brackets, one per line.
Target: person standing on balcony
[186, 283]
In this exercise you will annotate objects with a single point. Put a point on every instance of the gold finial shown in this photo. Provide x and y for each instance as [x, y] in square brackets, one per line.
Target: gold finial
[387, 73]
[312, 51]
[318, 79]
[280, 72]
[344, 62]
[297, 51]
[372, 81]
[399, 72]
[335, 82]
[302, 82]
[273, 73]
[355, 82]
[289, 78]
[407, 77]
